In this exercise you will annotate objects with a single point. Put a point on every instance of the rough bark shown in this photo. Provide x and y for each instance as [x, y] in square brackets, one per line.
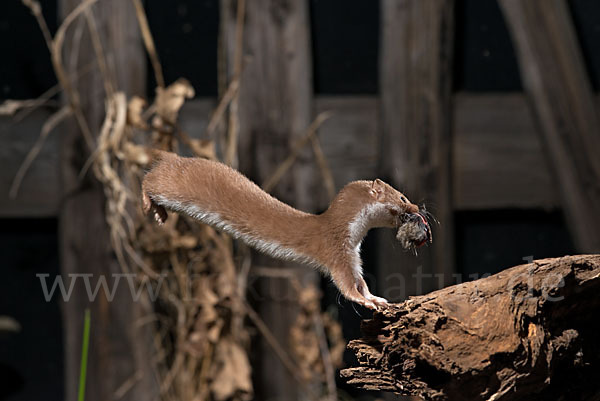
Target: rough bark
[529, 332]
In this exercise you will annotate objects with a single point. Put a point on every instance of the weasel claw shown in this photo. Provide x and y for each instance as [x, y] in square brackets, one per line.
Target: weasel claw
[380, 303]
[373, 303]
[160, 214]
[368, 305]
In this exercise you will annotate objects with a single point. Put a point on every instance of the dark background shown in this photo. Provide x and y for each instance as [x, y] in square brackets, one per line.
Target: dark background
[345, 53]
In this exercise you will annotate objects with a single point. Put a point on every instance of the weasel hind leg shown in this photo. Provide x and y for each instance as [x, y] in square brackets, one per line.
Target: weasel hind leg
[148, 205]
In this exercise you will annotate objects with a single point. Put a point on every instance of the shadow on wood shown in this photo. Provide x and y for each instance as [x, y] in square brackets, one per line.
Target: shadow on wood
[529, 332]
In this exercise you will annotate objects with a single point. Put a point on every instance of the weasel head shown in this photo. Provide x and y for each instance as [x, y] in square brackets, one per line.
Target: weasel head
[412, 224]
[377, 204]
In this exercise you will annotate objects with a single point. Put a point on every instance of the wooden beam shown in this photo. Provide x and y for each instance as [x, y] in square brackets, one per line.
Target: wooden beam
[349, 137]
[275, 109]
[415, 86]
[558, 87]
[489, 130]
[39, 193]
[498, 159]
[119, 352]
[194, 116]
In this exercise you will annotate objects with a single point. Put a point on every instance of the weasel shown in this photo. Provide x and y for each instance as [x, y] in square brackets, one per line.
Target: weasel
[220, 196]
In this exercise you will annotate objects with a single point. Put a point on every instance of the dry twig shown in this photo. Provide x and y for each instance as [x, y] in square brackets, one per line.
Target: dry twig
[52, 122]
[273, 180]
[56, 53]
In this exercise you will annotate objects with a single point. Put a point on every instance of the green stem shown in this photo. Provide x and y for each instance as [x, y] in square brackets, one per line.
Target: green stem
[84, 355]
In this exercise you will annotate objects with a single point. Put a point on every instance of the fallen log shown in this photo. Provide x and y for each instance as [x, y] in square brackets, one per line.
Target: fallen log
[529, 332]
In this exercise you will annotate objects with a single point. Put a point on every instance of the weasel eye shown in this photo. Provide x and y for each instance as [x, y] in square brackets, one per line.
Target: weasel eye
[403, 199]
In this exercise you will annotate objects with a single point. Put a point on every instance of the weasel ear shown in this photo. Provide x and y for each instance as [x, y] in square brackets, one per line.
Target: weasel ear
[377, 189]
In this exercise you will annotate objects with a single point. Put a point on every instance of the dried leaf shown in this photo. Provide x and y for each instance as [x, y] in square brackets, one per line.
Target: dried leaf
[170, 99]
[232, 375]
[305, 340]
[203, 148]
[208, 297]
[135, 110]
[184, 241]
[214, 333]
[135, 154]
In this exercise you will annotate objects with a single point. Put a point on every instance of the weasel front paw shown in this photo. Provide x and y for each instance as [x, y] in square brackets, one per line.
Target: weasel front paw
[380, 303]
[160, 214]
[148, 205]
[373, 303]
[377, 302]
[366, 303]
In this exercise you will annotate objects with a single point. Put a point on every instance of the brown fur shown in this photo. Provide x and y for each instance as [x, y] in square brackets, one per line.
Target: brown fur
[324, 239]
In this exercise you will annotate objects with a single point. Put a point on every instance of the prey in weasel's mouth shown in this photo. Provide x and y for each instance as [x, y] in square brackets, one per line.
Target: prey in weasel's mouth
[414, 230]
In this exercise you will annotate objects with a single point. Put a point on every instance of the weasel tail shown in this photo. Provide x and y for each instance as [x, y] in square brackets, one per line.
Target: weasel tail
[218, 195]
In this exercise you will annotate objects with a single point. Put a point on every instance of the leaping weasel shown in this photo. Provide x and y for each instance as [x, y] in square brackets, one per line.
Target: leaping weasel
[220, 196]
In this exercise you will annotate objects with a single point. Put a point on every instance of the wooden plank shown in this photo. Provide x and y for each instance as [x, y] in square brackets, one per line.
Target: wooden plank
[498, 160]
[193, 120]
[119, 349]
[275, 109]
[350, 137]
[415, 84]
[39, 194]
[557, 84]
[194, 116]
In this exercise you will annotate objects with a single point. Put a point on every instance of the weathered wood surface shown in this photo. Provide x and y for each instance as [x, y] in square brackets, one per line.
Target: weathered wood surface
[39, 193]
[349, 137]
[527, 333]
[556, 81]
[415, 85]
[120, 358]
[498, 159]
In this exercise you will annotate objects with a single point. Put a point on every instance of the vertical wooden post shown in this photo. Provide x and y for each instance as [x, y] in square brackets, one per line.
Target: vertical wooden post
[274, 109]
[415, 84]
[553, 72]
[119, 352]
